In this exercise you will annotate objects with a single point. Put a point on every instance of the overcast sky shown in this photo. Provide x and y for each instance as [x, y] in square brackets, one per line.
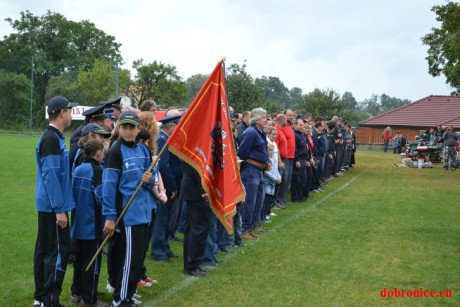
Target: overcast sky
[361, 46]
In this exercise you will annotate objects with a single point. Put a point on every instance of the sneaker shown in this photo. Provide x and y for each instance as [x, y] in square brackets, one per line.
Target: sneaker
[273, 214]
[150, 281]
[137, 296]
[75, 298]
[136, 301]
[37, 303]
[142, 283]
[316, 191]
[109, 288]
[123, 304]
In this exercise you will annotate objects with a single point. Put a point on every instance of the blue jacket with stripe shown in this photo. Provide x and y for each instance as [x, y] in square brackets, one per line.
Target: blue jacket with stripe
[124, 166]
[86, 223]
[53, 188]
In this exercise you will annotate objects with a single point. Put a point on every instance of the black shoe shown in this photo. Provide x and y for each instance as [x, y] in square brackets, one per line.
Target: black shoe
[198, 272]
[159, 259]
[209, 263]
[225, 251]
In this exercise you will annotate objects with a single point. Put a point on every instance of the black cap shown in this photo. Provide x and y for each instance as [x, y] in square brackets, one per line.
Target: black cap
[96, 113]
[170, 119]
[109, 113]
[115, 103]
[94, 128]
[57, 103]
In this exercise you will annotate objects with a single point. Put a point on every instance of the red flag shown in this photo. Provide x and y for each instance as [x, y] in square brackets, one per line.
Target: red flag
[204, 139]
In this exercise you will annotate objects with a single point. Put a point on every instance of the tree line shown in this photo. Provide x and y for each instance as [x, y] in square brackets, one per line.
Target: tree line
[50, 55]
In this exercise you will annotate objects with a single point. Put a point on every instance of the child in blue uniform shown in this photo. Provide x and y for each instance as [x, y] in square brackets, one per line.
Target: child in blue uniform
[126, 163]
[86, 225]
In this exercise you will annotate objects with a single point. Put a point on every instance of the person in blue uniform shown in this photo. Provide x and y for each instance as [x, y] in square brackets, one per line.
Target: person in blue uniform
[126, 164]
[299, 172]
[253, 151]
[198, 218]
[94, 115]
[86, 224]
[53, 202]
[171, 172]
[89, 132]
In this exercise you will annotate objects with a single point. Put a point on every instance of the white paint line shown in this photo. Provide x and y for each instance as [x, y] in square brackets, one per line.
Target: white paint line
[189, 280]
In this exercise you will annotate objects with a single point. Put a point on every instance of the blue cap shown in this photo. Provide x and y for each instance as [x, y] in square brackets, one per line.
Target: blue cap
[129, 117]
[115, 103]
[96, 113]
[94, 128]
[170, 119]
[57, 103]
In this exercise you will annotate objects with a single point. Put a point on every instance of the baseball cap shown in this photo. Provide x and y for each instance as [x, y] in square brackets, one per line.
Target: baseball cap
[57, 103]
[129, 117]
[94, 128]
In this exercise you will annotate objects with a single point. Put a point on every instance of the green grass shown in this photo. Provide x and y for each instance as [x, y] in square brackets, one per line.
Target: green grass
[377, 226]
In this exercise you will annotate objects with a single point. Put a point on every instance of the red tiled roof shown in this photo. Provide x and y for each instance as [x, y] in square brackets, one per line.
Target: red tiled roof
[424, 113]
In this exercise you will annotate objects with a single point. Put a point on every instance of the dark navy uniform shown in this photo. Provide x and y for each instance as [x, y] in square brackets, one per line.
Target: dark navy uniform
[198, 219]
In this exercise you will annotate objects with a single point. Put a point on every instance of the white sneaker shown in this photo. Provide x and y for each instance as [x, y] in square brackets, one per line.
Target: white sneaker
[136, 296]
[136, 302]
[273, 214]
[109, 288]
[37, 303]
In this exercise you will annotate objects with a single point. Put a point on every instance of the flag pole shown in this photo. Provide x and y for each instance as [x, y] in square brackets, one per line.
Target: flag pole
[128, 204]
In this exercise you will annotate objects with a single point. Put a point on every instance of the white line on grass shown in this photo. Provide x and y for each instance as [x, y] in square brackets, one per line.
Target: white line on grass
[189, 280]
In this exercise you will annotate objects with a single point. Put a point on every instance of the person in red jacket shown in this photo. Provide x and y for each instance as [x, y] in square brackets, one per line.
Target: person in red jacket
[386, 136]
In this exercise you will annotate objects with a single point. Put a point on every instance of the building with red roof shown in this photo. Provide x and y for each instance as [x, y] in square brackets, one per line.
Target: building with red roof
[411, 119]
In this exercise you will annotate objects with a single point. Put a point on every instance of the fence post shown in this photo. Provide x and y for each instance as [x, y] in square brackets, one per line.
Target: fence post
[116, 80]
[31, 95]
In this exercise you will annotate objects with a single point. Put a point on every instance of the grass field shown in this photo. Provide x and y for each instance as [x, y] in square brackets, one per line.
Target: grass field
[376, 227]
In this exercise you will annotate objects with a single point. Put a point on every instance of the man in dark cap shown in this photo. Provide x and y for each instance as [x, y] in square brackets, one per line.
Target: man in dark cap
[53, 202]
[94, 115]
[171, 172]
[116, 105]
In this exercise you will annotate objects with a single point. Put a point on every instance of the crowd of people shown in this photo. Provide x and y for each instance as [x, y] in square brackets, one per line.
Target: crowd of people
[441, 136]
[110, 159]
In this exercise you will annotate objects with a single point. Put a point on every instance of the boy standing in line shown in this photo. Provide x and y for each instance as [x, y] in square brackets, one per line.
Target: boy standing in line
[126, 163]
[86, 226]
[53, 202]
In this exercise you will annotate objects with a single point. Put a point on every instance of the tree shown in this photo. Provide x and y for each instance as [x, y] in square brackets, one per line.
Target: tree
[444, 51]
[275, 93]
[389, 103]
[64, 85]
[295, 97]
[14, 101]
[349, 101]
[372, 105]
[194, 84]
[57, 45]
[159, 81]
[244, 94]
[322, 102]
[98, 83]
